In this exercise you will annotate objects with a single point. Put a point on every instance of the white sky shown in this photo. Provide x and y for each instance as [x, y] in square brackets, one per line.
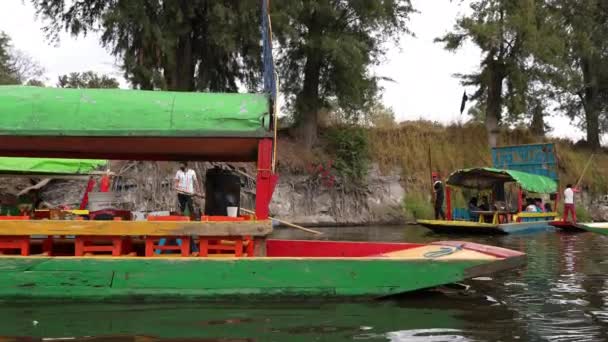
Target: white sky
[424, 86]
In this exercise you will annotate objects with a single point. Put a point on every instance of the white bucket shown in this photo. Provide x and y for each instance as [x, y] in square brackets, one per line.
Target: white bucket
[233, 211]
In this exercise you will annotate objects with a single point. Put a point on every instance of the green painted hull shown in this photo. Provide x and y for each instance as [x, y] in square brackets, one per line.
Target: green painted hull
[107, 279]
[599, 228]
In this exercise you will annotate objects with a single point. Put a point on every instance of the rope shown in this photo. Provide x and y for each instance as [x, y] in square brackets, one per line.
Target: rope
[443, 251]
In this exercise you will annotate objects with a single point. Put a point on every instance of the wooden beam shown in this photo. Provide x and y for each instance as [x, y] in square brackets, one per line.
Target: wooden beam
[136, 228]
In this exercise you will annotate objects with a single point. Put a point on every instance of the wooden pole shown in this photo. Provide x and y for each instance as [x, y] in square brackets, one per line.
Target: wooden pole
[286, 223]
[584, 171]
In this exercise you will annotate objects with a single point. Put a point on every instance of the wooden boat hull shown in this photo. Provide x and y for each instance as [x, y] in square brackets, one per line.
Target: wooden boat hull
[468, 227]
[599, 227]
[397, 269]
[566, 226]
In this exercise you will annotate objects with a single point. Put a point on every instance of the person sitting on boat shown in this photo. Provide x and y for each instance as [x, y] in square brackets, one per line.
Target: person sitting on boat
[485, 204]
[538, 202]
[439, 196]
[473, 204]
[186, 184]
[548, 207]
[530, 206]
[569, 203]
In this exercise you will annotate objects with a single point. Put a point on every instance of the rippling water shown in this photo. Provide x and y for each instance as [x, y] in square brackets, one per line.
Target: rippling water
[560, 295]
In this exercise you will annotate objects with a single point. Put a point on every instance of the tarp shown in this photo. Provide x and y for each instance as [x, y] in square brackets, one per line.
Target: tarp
[37, 111]
[49, 166]
[485, 178]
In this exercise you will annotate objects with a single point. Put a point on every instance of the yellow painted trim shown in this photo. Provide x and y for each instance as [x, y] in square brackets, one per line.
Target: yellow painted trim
[468, 224]
[136, 228]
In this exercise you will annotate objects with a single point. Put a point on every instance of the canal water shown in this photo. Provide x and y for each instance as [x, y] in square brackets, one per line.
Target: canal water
[560, 295]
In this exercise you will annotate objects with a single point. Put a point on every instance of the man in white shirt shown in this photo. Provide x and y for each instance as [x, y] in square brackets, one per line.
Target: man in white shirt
[186, 185]
[569, 203]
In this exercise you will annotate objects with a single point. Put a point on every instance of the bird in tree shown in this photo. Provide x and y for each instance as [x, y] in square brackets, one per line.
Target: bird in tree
[326, 49]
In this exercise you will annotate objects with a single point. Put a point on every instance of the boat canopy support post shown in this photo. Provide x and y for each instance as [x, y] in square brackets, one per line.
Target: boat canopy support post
[266, 179]
[448, 196]
[520, 199]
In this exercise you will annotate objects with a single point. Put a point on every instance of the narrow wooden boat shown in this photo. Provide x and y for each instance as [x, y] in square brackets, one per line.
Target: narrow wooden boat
[498, 221]
[598, 227]
[567, 226]
[291, 269]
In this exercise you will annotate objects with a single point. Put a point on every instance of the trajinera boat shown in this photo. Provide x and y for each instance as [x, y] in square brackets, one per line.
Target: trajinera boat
[503, 217]
[105, 255]
[596, 227]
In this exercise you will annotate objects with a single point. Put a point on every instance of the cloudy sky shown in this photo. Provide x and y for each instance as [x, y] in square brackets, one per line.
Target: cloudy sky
[424, 85]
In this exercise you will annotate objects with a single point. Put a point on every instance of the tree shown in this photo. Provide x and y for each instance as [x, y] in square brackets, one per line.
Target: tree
[185, 45]
[580, 75]
[88, 79]
[326, 49]
[7, 74]
[510, 34]
[17, 67]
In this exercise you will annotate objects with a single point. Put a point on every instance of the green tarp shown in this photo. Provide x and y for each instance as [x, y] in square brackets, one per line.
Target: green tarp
[485, 178]
[115, 112]
[49, 165]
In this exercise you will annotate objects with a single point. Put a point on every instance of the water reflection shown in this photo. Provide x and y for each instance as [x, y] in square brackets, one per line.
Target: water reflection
[560, 295]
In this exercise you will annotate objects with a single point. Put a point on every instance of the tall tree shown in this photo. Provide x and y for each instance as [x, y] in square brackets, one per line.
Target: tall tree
[185, 45]
[88, 79]
[17, 67]
[581, 73]
[7, 73]
[326, 49]
[507, 32]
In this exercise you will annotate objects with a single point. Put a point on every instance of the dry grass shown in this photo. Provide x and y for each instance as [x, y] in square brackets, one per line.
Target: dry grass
[454, 147]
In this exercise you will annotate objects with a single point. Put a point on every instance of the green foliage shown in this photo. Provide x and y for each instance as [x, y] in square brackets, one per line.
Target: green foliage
[88, 79]
[205, 45]
[16, 67]
[7, 74]
[350, 151]
[512, 37]
[418, 206]
[325, 51]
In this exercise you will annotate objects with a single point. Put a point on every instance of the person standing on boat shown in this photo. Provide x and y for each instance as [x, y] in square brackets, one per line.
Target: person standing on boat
[569, 203]
[186, 185]
[439, 196]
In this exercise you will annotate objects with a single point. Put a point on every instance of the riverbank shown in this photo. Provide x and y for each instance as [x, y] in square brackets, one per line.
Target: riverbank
[352, 176]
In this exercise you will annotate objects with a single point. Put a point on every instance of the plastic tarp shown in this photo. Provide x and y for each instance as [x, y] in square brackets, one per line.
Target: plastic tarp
[485, 178]
[37, 111]
[49, 166]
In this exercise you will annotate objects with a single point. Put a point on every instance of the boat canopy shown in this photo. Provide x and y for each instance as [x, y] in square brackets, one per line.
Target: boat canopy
[131, 124]
[485, 178]
[49, 166]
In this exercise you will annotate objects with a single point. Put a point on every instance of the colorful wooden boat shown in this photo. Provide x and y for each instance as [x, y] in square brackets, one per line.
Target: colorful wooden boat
[503, 221]
[235, 259]
[290, 269]
[567, 226]
[597, 227]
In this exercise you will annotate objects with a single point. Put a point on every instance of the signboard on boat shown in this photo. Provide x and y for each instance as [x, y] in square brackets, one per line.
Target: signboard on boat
[538, 159]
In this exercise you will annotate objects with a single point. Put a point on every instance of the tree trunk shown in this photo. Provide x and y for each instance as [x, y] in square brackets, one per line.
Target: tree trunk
[308, 101]
[591, 103]
[538, 121]
[494, 101]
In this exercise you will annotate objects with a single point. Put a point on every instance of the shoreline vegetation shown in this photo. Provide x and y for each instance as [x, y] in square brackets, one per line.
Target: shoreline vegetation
[403, 148]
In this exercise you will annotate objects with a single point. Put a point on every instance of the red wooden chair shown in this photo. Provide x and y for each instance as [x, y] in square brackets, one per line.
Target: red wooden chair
[15, 242]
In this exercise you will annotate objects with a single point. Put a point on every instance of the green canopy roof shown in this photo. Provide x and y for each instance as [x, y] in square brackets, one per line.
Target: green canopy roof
[50, 166]
[36, 111]
[485, 178]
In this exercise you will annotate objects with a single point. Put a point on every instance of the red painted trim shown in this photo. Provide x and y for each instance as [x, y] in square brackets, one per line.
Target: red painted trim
[266, 180]
[302, 248]
[85, 197]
